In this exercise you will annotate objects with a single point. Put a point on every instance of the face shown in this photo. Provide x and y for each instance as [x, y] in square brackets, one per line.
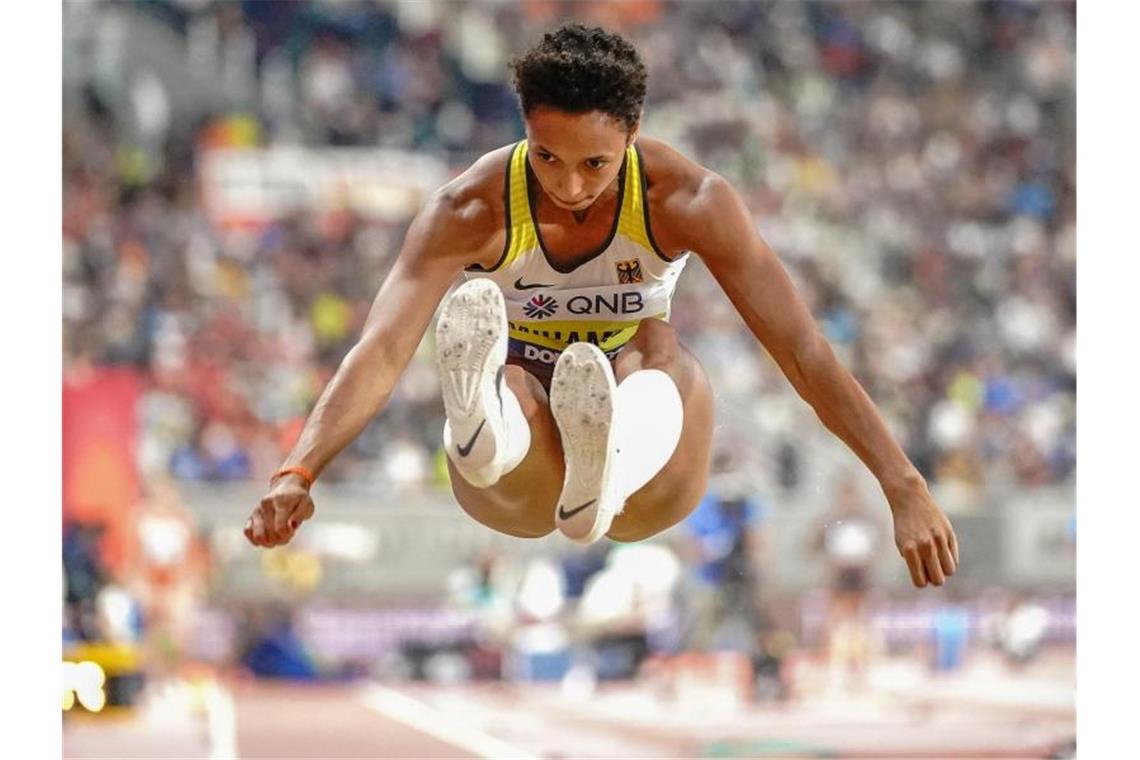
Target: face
[575, 156]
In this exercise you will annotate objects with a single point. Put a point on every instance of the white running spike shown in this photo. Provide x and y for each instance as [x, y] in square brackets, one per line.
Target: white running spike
[471, 346]
[582, 393]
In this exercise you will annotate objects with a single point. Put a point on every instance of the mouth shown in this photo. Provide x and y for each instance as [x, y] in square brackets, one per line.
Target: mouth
[577, 205]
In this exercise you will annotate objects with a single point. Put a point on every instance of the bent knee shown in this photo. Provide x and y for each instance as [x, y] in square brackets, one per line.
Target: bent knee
[653, 346]
[527, 389]
[655, 335]
[647, 514]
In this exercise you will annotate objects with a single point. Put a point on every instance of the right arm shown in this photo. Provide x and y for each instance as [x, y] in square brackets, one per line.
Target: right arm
[446, 235]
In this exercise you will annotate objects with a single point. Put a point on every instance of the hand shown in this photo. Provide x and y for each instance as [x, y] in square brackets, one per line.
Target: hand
[281, 511]
[923, 535]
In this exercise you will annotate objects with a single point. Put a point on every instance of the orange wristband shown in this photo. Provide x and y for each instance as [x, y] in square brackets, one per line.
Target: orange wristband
[302, 471]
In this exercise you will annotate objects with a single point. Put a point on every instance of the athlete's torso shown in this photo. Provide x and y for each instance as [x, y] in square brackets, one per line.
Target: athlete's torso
[600, 299]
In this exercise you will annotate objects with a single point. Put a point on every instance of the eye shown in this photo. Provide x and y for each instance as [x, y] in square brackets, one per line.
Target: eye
[596, 163]
[545, 157]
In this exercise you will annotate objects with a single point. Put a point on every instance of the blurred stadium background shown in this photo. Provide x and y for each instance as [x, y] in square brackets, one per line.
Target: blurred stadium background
[237, 178]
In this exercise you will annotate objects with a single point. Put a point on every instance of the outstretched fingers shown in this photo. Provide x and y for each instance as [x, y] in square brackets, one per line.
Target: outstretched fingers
[914, 564]
[946, 554]
[931, 562]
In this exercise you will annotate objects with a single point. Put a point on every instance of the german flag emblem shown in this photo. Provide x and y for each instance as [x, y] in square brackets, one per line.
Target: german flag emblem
[629, 271]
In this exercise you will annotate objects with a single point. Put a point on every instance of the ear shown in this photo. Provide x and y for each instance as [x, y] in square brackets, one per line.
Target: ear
[632, 137]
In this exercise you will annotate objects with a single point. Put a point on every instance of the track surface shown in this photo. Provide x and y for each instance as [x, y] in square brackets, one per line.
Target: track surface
[989, 714]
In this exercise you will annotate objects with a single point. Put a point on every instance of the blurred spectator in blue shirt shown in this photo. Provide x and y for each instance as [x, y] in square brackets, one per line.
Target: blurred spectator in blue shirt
[724, 544]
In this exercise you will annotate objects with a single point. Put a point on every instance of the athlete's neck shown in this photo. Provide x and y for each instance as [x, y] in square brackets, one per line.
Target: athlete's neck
[601, 205]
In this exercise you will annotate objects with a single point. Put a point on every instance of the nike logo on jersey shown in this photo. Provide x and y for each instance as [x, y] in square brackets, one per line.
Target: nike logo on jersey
[465, 450]
[565, 514]
[519, 285]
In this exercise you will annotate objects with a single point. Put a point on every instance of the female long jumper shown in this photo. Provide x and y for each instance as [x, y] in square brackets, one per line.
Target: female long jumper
[570, 402]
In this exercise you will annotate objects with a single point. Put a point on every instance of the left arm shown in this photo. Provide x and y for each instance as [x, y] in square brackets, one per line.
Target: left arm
[721, 231]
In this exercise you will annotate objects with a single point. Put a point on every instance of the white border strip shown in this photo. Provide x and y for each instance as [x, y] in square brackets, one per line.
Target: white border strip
[412, 712]
[221, 722]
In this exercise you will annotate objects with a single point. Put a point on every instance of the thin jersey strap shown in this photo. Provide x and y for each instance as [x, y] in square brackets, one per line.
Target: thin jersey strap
[635, 211]
[521, 231]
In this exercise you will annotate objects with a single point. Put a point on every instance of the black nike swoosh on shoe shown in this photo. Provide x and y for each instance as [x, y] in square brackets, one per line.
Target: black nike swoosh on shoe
[499, 385]
[519, 285]
[564, 514]
[465, 450]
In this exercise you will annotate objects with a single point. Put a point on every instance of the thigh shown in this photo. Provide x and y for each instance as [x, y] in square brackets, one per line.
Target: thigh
[676, 490]
[522, 503]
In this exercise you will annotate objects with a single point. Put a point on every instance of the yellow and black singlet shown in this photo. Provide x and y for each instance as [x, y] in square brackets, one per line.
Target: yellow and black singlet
[599, 301]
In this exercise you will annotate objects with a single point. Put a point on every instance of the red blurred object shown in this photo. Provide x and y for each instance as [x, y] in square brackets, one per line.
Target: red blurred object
[100, 473]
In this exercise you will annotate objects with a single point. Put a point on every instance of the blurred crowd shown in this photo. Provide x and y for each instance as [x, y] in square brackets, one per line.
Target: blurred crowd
[912, 163]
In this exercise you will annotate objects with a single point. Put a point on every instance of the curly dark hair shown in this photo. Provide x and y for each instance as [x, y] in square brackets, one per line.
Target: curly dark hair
[580, 68]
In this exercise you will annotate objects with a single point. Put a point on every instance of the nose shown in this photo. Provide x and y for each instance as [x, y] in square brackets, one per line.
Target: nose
[572, 186]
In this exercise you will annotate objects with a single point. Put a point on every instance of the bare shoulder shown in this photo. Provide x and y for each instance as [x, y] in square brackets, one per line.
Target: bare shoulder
[465, 216]
[682, 195]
